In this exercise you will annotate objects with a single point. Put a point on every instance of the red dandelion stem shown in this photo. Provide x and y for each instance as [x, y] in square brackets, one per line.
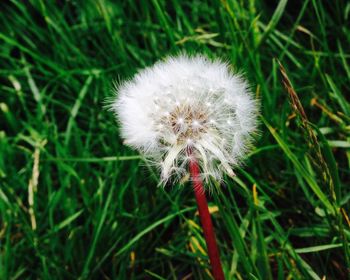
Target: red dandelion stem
[206, 222]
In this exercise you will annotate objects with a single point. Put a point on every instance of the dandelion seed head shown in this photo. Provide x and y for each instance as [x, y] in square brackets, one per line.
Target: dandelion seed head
[187, 103]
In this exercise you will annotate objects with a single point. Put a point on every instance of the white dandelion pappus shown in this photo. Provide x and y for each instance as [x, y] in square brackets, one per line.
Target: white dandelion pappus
[188, 103]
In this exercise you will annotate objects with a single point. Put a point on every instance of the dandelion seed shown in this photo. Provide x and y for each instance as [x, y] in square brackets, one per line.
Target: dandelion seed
[201, 100]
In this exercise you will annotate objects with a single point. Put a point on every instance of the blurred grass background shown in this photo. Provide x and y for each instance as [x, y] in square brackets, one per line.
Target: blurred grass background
[77, 204]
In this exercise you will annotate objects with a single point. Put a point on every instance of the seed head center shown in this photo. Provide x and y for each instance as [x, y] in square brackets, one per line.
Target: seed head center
[187, 122]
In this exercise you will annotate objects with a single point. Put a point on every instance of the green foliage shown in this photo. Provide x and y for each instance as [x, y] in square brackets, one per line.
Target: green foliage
[75, 203]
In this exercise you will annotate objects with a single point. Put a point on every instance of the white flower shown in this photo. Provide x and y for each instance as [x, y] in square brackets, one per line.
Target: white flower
[187, 106]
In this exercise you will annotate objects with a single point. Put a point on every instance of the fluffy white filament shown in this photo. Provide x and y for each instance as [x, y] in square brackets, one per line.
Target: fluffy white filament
[187, 106]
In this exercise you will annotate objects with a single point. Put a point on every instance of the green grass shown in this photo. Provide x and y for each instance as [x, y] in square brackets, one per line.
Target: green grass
[77, 204]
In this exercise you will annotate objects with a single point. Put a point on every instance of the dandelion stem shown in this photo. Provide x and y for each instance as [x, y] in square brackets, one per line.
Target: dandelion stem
[206, 222]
